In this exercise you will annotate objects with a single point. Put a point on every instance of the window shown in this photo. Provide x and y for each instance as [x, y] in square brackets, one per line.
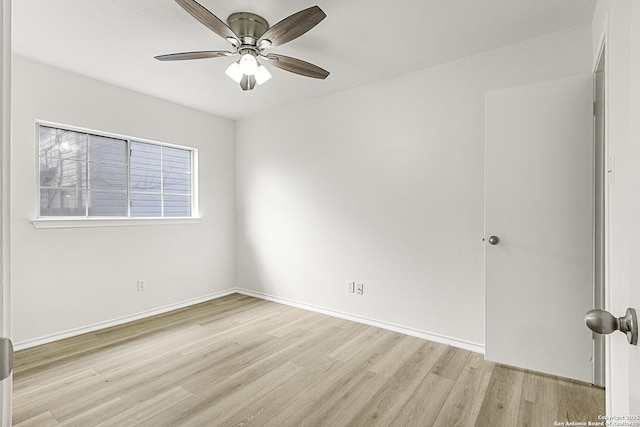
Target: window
[88, 175]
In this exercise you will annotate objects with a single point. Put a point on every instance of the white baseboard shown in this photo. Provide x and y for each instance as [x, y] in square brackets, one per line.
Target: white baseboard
[455, 342]
[119, 321]
[443, 339]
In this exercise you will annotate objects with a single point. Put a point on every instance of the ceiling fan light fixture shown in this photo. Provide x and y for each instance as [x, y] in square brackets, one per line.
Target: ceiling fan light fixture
[248, 64]
[262, 74]
[234, 72]
[250, 35]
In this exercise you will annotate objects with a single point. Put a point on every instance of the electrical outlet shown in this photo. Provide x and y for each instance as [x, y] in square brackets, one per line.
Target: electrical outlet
[351, 287]
[140, 285]
[360, 289]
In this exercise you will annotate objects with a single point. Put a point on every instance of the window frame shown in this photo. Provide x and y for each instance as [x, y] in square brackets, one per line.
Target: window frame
[104, 221]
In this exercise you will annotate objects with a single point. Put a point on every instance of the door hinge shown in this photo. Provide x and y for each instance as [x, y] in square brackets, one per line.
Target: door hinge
[6, 358]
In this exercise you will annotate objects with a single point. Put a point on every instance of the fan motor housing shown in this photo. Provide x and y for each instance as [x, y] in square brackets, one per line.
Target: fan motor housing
[248, 26]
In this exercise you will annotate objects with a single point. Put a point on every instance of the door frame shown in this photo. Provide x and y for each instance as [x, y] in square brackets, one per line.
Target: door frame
[603, 53]
[5, 198]
[601, 258]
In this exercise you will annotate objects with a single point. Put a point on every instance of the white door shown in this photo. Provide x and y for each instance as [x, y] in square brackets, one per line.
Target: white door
[5, 138]
[539, 202]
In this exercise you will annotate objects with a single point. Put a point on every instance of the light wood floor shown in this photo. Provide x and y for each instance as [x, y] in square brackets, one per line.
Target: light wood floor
[241, 361]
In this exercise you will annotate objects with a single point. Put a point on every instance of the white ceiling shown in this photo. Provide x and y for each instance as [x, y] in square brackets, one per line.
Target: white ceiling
[359, 42]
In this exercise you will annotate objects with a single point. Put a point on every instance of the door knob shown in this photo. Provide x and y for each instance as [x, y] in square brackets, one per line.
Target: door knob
[603, 322]
[494, 240]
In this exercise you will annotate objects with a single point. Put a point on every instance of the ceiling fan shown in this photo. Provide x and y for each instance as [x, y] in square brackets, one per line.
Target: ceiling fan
[250, 35]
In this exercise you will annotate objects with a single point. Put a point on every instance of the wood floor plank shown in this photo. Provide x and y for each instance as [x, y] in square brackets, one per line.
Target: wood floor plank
[49, 396]
[347, 402]
[144, 410]
[289, 348]
[327, 398]
[296, 323]
[234, 356]
[532, 415]
[356, 344]
[424, 404]
[45, 419]
[37, 389]
[501, 404]
[241, 361]
[318, 399]
[451, 362]
[345, 406]
[215, 403]
[540, 389]
[579, 402]
[389, 364]
[463, 404]
[224, 409]
[383, 406]
[93, 415]
[286, 401]
[325, 347]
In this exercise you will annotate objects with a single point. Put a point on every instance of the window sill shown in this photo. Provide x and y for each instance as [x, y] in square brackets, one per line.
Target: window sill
[109, 222]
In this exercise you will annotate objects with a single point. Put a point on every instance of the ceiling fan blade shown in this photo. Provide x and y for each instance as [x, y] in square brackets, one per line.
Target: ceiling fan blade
[247, 82]
[207, 18]
[293, 26]
[193, 55]
[297, 66]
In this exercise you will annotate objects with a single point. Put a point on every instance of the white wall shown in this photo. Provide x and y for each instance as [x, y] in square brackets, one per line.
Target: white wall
[383, 185]
[71, 278]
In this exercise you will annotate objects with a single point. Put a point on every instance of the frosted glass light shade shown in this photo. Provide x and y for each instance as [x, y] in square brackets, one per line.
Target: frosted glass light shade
[248, 64]
[262, 75]
[234, 72]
